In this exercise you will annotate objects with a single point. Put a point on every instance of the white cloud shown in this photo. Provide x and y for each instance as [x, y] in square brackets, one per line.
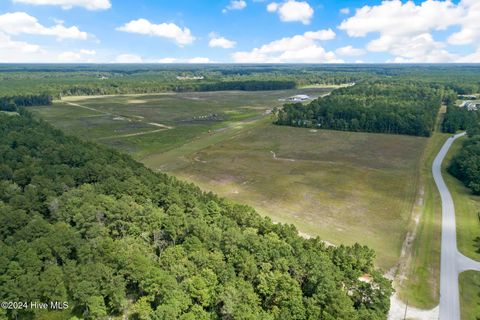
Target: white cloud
[272, 7]
[128, 58]
[16, 23]
[345, 11]
[235, 5]
[420, 48]
[199, 60]
[217, 41]
[82, 55]
[405, 29]
[167, 60]
[471, 58]
[402, 19]
[299, 48]
[165, 30]
[68, 4]
[470, 32]
[8, 46]
[397, 19]
[350, 51]
[23, 52]
[325, 34]
[292, 11]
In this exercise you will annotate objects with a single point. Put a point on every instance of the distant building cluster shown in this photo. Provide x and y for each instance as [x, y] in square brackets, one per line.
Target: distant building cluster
[297, 98]
[470, 105]
[468, 97]
[190, 77]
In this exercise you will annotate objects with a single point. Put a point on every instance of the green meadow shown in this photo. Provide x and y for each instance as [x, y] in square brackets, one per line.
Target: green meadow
[344, 187]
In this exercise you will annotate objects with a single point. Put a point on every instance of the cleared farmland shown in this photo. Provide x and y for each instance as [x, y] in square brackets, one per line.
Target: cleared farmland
[344, 187]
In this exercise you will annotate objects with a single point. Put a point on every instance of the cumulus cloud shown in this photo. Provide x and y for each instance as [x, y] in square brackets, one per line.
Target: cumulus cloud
[16, 23]
[235, 5]
[470, 58]
[413, 41]
[217, 41]
[199, 60]
[414, 19]
[165, 30]
[470, 24]
[128, 58]
[272, 7]
[167, 60]
[350, 51]
[68, 4]
[325, 34]
[82, 55]
[292, 11]
[11, 50]
[402, 19]
[20, 51]
[345, 11]
[420, 48]
[299, 48]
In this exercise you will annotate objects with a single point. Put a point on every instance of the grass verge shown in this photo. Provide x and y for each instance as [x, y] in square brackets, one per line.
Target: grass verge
[344, 187]
[420, 283]
[418, 279]
[470, 295]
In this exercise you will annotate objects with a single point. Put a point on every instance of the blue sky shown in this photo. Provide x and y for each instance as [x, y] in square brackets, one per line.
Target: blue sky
[243, 31]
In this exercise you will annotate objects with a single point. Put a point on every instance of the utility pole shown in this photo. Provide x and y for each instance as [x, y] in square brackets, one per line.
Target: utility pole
[405, 315]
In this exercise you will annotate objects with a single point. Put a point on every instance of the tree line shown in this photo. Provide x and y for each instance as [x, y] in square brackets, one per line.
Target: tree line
[465, 165]
[248, 85]
[83, 223]
[12, 103]
[457, 118]
[380, 106]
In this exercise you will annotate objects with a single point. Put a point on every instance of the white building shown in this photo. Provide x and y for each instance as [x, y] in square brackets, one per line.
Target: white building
[470, 105]
[298, 98]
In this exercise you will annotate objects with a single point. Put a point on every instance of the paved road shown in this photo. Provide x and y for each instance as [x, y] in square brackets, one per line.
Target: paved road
[452, 261]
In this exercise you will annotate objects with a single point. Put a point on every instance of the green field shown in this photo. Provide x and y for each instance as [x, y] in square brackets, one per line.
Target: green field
[419, 274]
[470, 295]
[145, 124]
[344, 187]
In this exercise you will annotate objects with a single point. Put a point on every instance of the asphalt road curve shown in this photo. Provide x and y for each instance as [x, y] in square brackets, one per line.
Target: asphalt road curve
[452, 261]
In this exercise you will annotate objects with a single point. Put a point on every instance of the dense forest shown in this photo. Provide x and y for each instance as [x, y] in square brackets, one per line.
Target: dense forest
[380, 106]
[12, 103]
[68, 80]
[465, 166]
[98, 79]
[84, 224]
[457, 118]
[249, 85]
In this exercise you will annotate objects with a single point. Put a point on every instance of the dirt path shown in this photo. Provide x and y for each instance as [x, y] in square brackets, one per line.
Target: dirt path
[123, 117]
[400, 311]
[274, 156]
[88, 108]
[131, 134]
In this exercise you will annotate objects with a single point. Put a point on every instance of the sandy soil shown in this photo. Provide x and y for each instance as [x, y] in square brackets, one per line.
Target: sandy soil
[398, 309]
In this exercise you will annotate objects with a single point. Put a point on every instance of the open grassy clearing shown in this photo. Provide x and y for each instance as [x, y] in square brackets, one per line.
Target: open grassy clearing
[344, 187]
[470, 295]
[418, 281]
[133, 123]
[467, 207]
